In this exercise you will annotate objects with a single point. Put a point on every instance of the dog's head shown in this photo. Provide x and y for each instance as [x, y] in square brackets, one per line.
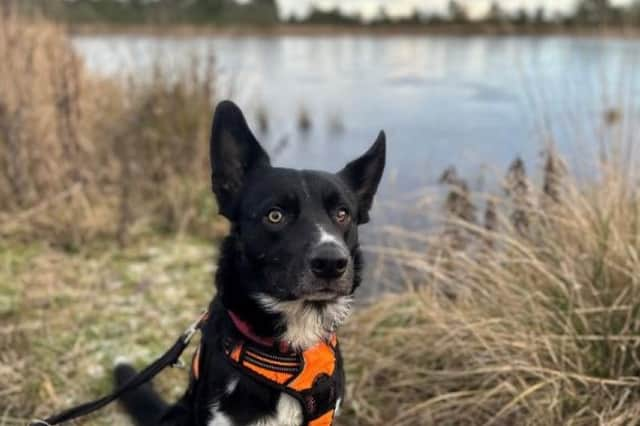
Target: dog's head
[294, 238]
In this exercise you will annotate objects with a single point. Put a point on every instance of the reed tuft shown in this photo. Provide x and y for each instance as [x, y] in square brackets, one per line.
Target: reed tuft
[543, 330]
[83, 157]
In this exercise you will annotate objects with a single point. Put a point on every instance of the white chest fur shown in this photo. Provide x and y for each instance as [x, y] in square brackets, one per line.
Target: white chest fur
[288, 413]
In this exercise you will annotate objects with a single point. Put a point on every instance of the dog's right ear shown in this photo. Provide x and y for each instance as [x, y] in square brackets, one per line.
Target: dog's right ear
[235, 152]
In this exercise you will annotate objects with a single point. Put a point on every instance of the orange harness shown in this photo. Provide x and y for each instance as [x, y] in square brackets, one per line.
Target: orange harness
[308, 376]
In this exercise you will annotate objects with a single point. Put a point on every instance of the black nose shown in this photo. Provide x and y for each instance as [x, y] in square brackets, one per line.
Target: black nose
[328, 261]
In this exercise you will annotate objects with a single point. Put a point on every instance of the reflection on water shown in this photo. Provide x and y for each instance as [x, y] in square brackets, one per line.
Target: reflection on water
[474, 102]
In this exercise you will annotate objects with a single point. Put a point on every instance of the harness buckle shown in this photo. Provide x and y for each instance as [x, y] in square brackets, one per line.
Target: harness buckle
[194, 328]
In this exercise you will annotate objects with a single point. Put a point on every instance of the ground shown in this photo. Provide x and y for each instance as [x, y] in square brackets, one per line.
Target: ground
[65, 317]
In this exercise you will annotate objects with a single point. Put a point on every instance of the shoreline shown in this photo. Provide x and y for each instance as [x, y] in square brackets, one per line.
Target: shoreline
[472, 30]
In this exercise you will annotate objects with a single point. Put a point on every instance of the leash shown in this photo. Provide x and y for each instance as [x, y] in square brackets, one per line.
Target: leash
[170, 358]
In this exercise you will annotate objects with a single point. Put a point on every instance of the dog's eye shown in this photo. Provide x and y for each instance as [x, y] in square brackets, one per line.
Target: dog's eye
[342, 215]
[275, 216]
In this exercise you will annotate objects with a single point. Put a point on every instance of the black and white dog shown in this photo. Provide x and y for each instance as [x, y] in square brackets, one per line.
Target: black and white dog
[286, 276]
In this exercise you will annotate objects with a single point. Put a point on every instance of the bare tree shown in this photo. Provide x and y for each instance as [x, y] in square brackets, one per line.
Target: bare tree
[458, 12]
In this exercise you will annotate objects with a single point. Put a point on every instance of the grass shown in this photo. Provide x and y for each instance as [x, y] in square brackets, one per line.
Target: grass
[83, 157]
[66, 317]
[542, 326]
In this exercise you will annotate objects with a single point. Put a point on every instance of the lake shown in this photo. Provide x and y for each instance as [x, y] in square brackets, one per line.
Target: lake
[474, 102]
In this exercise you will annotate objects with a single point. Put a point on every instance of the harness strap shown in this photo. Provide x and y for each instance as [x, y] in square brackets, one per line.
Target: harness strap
[170, 358]
[308, 376]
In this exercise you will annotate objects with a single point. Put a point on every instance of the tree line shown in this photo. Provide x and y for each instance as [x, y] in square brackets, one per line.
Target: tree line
[587, 13]
[255, 12]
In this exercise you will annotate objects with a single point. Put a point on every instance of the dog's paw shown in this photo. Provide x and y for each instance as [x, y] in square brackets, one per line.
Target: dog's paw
[123, 371]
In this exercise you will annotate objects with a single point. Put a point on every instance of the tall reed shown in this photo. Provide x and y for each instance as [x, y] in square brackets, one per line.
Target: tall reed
[83, 156]
[544, 328]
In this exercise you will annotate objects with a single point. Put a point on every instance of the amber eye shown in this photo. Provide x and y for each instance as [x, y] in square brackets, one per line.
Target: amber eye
[275, 216]
[342, 215]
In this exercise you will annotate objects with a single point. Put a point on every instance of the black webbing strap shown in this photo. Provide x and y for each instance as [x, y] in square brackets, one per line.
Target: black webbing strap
[170, 358]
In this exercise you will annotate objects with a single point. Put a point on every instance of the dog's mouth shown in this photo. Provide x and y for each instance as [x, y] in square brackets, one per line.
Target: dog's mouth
[322, 296]
[325, 293]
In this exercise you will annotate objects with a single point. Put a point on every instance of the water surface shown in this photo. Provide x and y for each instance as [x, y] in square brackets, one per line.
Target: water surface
[476, 102]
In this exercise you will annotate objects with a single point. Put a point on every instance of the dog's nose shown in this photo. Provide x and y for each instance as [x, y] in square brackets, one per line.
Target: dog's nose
[328, 261]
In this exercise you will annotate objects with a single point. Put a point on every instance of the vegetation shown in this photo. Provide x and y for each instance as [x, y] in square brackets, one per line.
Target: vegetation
[79, 159]
[65, 317]
[587, 14]
[257, 12]
[319, 16]
[458, 12]
[527, 322]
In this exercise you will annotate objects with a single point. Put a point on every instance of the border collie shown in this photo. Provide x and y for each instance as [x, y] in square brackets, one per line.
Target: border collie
[285, 281]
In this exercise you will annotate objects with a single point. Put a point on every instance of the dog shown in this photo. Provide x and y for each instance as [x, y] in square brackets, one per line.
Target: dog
[285, 281]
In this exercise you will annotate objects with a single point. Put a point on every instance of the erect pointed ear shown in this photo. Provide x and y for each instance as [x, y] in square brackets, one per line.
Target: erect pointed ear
[235, 153]
[363, 176]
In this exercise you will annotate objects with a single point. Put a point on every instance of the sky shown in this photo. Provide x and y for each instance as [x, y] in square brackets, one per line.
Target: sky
[369, 8]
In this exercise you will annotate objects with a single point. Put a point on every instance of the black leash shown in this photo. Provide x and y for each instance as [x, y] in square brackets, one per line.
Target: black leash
[170, 358]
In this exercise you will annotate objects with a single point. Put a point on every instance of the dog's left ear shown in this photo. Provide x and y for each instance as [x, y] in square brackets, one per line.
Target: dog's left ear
[363, 176]
[235, 153]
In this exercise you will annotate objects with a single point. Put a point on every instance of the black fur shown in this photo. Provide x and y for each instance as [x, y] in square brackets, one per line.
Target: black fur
[142, 403]
[263, 257]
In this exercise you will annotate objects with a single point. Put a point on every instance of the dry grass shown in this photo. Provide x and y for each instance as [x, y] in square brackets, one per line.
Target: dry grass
[84, 160]
[543, 327]
[82, 157]
[64, 318]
